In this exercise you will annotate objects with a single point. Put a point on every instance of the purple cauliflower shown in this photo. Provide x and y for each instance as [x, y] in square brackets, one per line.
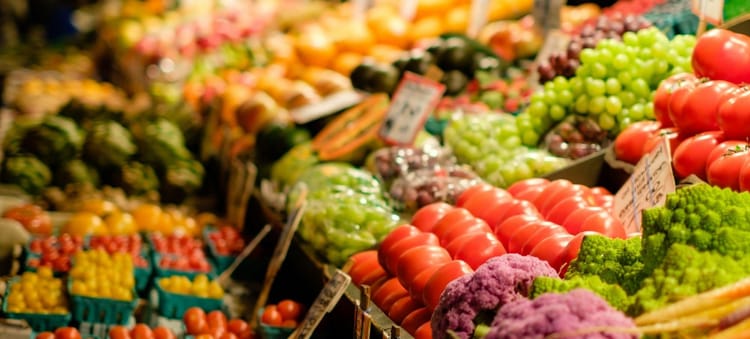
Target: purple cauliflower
[579, 313]
[468, 300]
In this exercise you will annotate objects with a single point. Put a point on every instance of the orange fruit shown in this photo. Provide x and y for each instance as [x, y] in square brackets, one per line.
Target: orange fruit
[345, 62]
[120, 223]
[84, 223]
[97, 206]
[353, 36]
[315, 48]
[457, 19]
[147, 217]
[426, 8]
[392, 30]
[385, 53]
[425, 28]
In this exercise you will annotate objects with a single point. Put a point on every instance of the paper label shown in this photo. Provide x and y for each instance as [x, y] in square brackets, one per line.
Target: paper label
[324, 303]
[408, 9]
[648, 186]
[477, 17]
[547, 14]
[712, 11]
[413, 101]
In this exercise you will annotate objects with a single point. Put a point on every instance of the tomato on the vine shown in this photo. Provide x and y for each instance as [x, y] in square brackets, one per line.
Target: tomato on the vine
[700, 110]
[628, 145]
[664, 93]
[692, 155]
[733, 117]
[271, 316]
[718, 48]
[725, 170]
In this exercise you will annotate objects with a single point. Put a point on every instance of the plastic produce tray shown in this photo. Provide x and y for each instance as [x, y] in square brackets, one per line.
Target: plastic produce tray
[173, 305]
[38, 322]
[221, 262]
[273, 332]
[167, 272]
[102, 310]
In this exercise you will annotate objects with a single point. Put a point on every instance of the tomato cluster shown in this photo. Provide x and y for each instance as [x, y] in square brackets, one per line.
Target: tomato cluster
[140, 331]
[131, 244]
[200, 286]
[33, 218]
[60, 333]
[180, 252]
[54, 251]
[226, 240]
[215, 325]
[37, 293]
[285, 313]
[98, 274]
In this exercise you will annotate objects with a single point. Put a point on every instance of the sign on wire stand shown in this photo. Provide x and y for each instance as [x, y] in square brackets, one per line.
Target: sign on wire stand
[324, 303]
[415, 98]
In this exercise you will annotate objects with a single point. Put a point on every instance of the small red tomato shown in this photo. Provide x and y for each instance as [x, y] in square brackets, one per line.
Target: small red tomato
[119, 332]
[195, 321]
[48, 335]
[161, 332]
[271, 316]
[290, 309]
[364, 268]
[289, 323]
[238, 326]
[141, 331]
[67, 333]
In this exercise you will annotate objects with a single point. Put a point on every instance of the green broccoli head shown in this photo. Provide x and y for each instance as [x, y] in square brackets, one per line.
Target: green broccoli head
[55, 141]
[683, 272]
[109, 144]
[28, 172]
[181, 179]
[161, 143]
[612, 293]
[615, 261]
[75, 172]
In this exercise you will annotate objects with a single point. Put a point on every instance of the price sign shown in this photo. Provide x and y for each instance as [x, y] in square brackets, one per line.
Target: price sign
[648, 186]
[415, 98]
[324, 303]
[14, 329]
[711, 11]
[547, 14]
[477, 16]
[327, 106]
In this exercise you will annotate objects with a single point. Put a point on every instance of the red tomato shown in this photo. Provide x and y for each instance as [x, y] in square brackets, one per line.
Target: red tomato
[477, 226]
[424, 331]
[455, 217]
[664, 93]
[32, 217]
[520, 186]
[505, 231]
[670, 134]
[691, 156]
[574, 245]
[289, 323]
[471, 191]
[725, 171]
[564, 207]
[522, 234]
[628, 145]
[604, 201]
[745, 177]
[391, 258]
[481, 202]
[574, 221]
[540, 234]
[550, 191]
[271, 316]
[679, 98]
[458, 242]
[119, 332]
[718, 48]
[552, 249]
[412, 262]
[161, 332]
[415, 319]
[230, 335]
[426, 217]
[217, 319]
[402, 307]
[733, 118]
[700, 112]
[574, 190]
[416, 287]
[512, 208]
[480, 248]
[396, 235]
[724, 148]
[530, 194]
[141, 331]
[290, 309]
[67, 333]
[388, 293]
[195, 321]
[365, 268]
[238, 327]
[50, 335]
[604, 223]
[440, 279]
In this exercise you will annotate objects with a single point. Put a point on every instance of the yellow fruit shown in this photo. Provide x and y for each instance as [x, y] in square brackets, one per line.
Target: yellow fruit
[147, 217]
[215, 291]
[385, 53]
[426, 28]
[315, 48]
[120, 223]
[353, 36]
[457, 20]
[206, 218]
[84, 223]
[392, 30]
[97, 206]
[345, 62]
[426, 8]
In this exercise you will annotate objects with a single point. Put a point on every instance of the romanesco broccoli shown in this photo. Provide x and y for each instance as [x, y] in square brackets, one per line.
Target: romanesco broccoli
[615, 261]
[612, 293]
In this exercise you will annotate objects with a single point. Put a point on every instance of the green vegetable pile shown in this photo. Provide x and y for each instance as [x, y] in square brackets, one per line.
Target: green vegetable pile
[346, 211]
[94, 146]
[697, 242]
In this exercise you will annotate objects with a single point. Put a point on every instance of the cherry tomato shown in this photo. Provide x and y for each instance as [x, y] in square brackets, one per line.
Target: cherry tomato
[718, 48]
[238, 326]
[396, 235]
[290, 323]
[67, 333]
[604, 223]
[564, 207]
[541, 234]
[480, 248]
[471, 191]
[365, 268]
[522, 185]
[441, 278]
[216, 319]
[470, 227]
[575, 219]
[386, 294]
[119, 332]
[628, 145]
[691, 156]
[271, 316]
[725, 171]
[426, 217]
[424, 331]
[50, 335]
[418, 259]
[505, 231]
[415, 319]
[161, 332]
[391, 258]
[289, 309]
[230, 335]
[553, 249]
[402, 307]
[512, 208]
[141, 331]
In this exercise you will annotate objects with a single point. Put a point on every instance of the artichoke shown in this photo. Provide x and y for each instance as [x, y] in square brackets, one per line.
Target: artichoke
[56, 140]
[76, 172]
[162, 143]
[84, 114]
[109, 144]
[28, 172]
[135, 178]
[180, 179]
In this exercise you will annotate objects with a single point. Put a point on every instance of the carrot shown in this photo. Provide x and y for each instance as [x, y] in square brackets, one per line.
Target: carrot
[739, 331]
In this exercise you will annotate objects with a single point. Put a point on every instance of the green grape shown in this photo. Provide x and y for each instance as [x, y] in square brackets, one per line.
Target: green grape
[625, 78]
[556, 112]
[565, 98]
[620, 61]
[648, 111]
[550, 98]
[576, 86]
[537, 109]
[538, 96]
[523, 122]
[598, 70]
[530, 137]
[630, 39]
[561, 83]
[490, 165]
[613, 86]
[541, 124]
[659, 51]
[597, 104]
[582, 104]
[613, 105]
[595, 87]
[605, 56]
[511, 142]
[661, 68]
[607, 122]
[549, 86]
[627, 98]
[637, 112]
[640, 88]
[583, 71]
[588, 56]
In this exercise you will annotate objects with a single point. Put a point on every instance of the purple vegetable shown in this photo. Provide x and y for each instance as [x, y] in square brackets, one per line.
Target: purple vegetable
[579, 313]
[499, 281]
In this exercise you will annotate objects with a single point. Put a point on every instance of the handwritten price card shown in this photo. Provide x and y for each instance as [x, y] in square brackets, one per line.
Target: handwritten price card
[326, 300]
[415, 98]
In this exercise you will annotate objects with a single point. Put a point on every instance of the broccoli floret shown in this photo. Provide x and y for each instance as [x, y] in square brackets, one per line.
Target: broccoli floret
[615, 261]
[612, 293]
[686, 271]
[732, 242]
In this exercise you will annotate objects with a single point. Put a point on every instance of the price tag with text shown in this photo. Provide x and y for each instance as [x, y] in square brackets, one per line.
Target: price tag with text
[712, 11]
[547, 14]
[413, 101]
[327, 298]
[648, 186]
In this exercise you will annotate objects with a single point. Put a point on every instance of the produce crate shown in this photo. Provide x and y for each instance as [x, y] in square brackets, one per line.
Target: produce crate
[98, 330]
[273, 332]
[220, 262]
[38, 322]
[83, 336]
[143, 274]
[166, 272]
[174, 305]
[102, 310]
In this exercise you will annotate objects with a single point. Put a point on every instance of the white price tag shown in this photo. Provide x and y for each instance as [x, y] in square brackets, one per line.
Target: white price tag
[712, 11]
[413, 101]
[648, 186]
[324, 303]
